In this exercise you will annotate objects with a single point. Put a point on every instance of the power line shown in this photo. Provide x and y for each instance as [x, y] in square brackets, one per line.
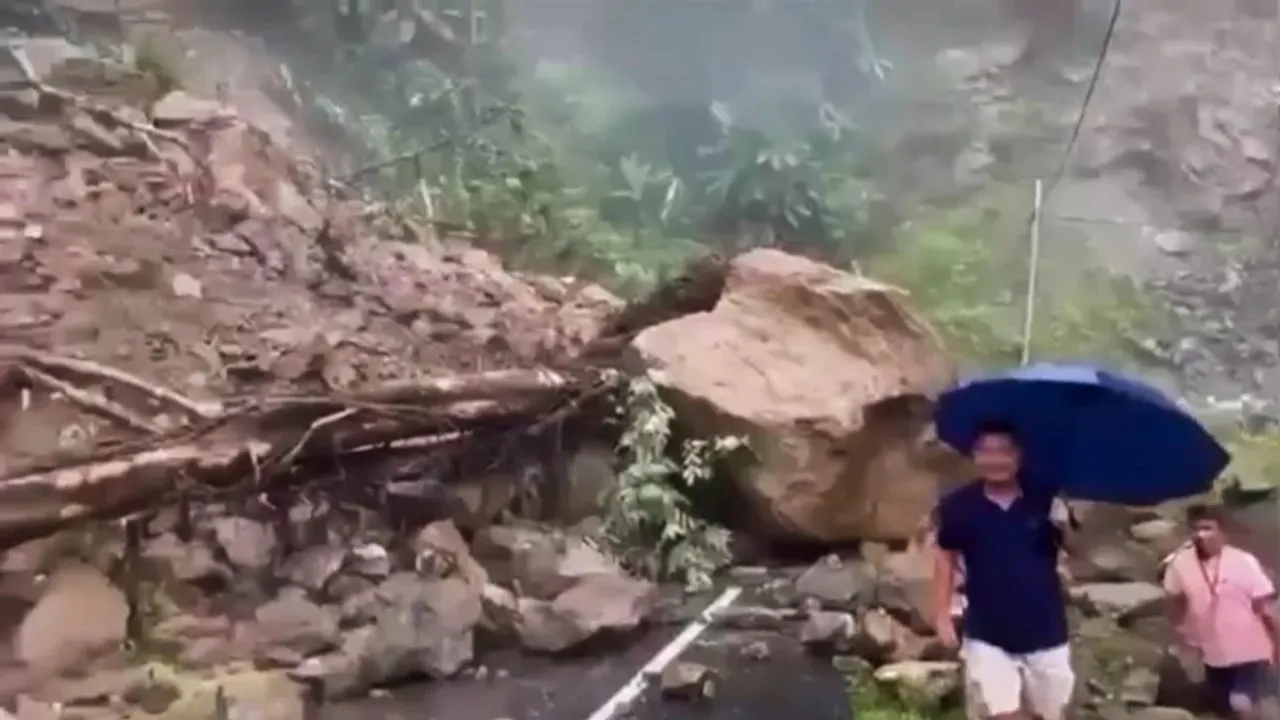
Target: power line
[1088, 98]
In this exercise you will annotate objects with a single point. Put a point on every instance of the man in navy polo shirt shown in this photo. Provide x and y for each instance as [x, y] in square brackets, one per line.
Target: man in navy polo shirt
[1015, 622]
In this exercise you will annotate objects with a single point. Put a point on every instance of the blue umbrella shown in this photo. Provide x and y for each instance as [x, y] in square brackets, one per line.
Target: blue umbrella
[1088, 433]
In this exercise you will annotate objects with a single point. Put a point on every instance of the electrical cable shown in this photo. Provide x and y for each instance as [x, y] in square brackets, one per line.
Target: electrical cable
[1088, 99]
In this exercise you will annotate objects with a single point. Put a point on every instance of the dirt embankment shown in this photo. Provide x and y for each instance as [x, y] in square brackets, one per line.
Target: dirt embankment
[182, 296]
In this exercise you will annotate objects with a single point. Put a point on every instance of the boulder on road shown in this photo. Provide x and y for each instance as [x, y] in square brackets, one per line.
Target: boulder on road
[829, 375]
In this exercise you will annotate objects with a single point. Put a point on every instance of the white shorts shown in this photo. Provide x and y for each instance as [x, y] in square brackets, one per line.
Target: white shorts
[1041, 682]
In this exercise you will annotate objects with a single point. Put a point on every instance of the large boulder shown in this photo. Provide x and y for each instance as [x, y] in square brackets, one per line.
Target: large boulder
[829, 375]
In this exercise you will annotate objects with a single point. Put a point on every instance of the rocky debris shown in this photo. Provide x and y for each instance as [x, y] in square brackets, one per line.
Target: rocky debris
[1127, 601]
[600, 606]
[49, 644]
[828, 375]
[688, 681]
[540, 565]
[828, 632]
[837, 584]
[172, 266]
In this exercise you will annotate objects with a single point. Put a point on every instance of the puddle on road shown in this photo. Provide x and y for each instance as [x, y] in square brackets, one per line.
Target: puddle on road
[788, 684]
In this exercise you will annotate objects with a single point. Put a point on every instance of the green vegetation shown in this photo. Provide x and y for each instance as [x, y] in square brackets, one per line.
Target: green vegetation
[873, 700]
[651, 524]
[967, 271]
[626, 167]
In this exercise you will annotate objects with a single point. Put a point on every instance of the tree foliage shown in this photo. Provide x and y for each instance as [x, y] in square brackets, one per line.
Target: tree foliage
[694, 126]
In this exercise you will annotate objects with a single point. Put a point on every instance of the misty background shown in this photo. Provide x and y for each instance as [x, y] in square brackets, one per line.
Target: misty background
[618, 140]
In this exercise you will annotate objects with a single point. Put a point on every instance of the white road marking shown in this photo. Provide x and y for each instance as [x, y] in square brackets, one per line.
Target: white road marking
[628, 693]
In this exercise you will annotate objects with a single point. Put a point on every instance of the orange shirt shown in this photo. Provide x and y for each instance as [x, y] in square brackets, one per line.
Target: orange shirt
[1221, 593]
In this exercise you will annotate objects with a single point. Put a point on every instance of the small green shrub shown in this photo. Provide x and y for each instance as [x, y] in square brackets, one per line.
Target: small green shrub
[872, 700]
[650, 522]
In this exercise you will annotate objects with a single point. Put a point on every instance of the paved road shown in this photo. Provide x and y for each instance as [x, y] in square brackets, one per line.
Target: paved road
[789, 684]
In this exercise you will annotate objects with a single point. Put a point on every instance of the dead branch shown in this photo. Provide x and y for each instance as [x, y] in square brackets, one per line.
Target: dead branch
[93, 402]
[274, 440]
[50, 362]
[417, 395]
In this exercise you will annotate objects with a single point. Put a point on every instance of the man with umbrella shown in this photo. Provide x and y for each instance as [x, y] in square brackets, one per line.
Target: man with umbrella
[1015, 625]
[1036, 434]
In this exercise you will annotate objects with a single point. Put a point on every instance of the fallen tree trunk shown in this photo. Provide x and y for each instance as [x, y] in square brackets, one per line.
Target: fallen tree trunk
[262, 442]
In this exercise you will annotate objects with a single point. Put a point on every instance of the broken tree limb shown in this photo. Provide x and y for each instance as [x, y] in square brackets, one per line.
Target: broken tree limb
[55, 364]
[91, 401]
[276, 439]
[407, 395]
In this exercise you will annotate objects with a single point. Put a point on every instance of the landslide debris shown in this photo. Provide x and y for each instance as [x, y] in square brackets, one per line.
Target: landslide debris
[182, 298]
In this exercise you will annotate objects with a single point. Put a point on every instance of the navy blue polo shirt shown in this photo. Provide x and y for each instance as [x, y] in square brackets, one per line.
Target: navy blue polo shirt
[1011, 569]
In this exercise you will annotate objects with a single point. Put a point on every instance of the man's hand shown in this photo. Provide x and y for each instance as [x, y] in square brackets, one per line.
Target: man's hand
[1060, 514]
[945, 628]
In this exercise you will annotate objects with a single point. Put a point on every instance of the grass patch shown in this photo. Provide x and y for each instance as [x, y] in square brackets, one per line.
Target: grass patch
[873, 700]
[967, 272]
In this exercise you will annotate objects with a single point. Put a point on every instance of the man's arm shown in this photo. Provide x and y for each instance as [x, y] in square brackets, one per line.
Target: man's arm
[945, 564]
[1266, 610]
[1065, 525]
[1263, 591]
[1176, 598]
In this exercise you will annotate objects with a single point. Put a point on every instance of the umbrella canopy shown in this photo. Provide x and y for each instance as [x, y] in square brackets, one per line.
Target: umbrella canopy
[1088, 433]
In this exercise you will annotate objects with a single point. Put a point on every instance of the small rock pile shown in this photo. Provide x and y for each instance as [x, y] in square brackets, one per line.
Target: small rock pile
[359, 608]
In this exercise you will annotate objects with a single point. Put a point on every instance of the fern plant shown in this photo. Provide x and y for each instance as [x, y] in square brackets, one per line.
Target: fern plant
[650, 523]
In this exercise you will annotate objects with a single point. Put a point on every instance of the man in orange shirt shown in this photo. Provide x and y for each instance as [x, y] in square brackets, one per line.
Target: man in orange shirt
[1222, 599]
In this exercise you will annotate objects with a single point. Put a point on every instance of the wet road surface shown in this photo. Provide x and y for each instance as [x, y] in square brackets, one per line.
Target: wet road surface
[788, 684]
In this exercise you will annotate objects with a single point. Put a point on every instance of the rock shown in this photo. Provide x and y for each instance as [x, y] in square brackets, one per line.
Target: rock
[1140, 687]
[828, 374]
[535, 562]
[416, 628]
[904, 582]
[179, 108]
[313, 568]
[1113, 563]
[191, 562]
[152, 694]
[589, 478]
[92, 136]
[294, 622]
[828, 632]
[754, 617]
[598, 605]
[851, 665]
[1161, 535]
[49, 644]
[501, 611]
[1173, 242]
[185, 286]
[369, 560]
[881, 638]
[757, 651]
[688, 681]
[249, 545]
[182, 629]
[440, 548]
[928, 680]
[1126, 600]
[838, 584]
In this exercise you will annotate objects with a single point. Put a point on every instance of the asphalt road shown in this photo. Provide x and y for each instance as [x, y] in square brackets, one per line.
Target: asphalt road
[787, 685]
